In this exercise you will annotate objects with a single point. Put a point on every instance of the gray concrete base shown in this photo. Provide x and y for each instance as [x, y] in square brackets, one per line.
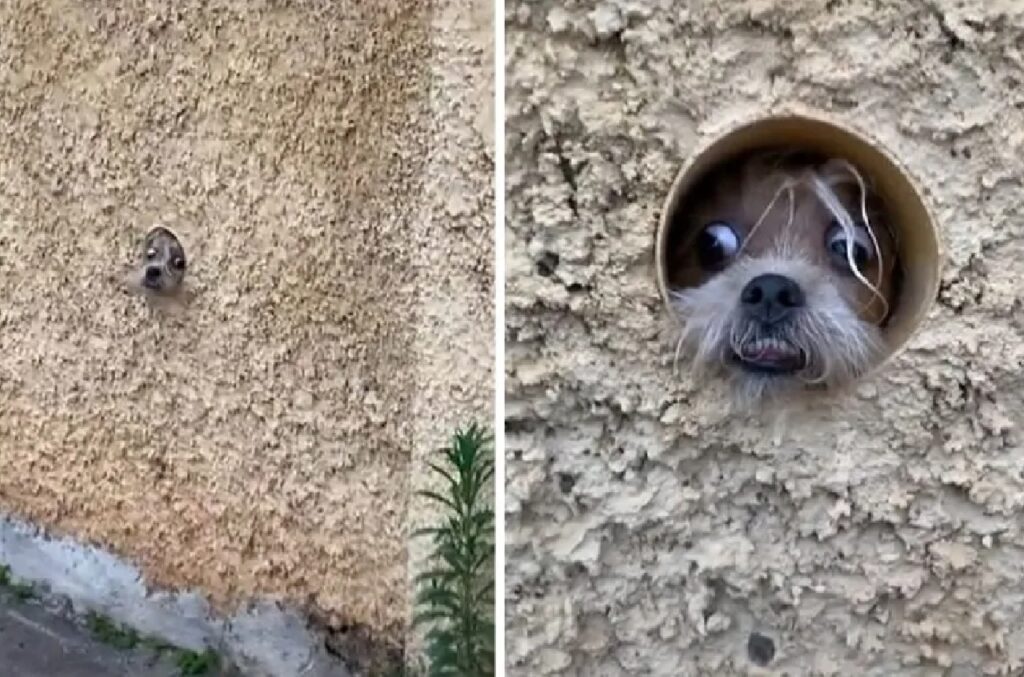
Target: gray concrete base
[263, 640]
[37, 642]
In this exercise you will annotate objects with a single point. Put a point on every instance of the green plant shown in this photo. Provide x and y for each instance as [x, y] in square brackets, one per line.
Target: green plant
[21, 591]
[109, 632]
[192, 663]
[189, 663]
[455, 596]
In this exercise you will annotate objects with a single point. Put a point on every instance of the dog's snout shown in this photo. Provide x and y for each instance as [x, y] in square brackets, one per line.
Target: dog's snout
[152, 273]
[770, 298]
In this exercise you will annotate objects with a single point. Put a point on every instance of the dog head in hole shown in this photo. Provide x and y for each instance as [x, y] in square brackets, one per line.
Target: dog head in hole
[162, 268]
[783, 270]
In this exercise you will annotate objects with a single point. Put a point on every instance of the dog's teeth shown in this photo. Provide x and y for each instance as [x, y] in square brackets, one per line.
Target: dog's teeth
[760, 346]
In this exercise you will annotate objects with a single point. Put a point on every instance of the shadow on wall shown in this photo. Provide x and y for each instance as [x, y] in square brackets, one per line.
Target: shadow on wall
[254, 443]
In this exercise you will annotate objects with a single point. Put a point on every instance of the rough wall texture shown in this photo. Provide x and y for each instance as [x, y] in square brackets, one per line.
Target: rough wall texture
[454, 343]
[258, 443]
[648, 532]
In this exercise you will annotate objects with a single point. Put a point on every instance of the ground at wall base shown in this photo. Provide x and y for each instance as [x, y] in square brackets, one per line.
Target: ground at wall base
[264, 638]
[38, 642]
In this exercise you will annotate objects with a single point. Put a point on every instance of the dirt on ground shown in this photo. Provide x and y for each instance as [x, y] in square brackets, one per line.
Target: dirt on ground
[259, 441]
[649, 531]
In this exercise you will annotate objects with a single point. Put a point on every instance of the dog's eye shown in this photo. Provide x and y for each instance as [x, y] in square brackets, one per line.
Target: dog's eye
[718, 243]
[150, 254]
[178, 263]
[839, 247]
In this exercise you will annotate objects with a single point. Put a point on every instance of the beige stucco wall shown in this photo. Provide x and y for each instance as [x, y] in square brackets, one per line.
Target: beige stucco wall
[649, 532]
[262, 441]
[455, 346]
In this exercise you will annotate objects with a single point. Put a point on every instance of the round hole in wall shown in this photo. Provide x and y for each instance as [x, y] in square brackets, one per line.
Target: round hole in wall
[760, 649]
[907, 216]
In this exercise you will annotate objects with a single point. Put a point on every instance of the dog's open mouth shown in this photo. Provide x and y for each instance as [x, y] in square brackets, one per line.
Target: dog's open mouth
[771, 356]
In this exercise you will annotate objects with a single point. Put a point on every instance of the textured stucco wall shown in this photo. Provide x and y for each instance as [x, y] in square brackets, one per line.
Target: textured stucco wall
[649, 533]
[260, 442]
[455, 326]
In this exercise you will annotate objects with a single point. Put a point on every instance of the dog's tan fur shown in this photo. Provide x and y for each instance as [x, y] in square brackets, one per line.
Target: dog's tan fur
[782, 205]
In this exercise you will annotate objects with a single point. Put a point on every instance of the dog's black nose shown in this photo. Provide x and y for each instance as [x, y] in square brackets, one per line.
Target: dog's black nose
[770, 298]
[152, 273]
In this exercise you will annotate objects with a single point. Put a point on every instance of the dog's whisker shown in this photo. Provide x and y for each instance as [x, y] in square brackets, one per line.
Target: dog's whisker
[678, 353]
[842, 216]
[786, 186]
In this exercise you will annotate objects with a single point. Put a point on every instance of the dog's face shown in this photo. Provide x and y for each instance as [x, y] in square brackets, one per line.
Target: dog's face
[163, 262]
[782, 270]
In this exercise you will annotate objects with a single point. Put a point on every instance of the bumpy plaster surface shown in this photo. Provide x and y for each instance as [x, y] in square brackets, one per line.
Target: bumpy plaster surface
[258, 443]
[648, 532]
[454, 342]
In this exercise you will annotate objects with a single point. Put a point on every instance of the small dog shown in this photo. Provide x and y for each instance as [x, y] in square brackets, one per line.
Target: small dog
[162, 270]
[783, 272]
